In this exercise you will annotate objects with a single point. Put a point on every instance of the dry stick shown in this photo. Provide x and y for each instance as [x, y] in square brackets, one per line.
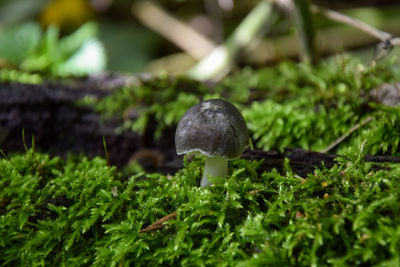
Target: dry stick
[220, 61]
[381, 50]
[159, 223]
[395, 41]
[388, 41]
[287, 6]
[267, 50]
[330, 41]
[339, 17]
[344, 136]
[215, 61]
[180, 34]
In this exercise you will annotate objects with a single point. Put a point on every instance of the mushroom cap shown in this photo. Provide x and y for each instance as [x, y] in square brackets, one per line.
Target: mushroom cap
[214, 128]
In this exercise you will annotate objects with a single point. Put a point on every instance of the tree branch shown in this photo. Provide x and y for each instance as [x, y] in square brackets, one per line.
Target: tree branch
[339, 17]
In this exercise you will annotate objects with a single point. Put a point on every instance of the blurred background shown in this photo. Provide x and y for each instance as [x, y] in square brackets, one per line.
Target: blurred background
[131, 36]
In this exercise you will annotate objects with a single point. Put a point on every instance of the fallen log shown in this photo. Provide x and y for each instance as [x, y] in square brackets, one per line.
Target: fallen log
[60, 127]
[49, 113]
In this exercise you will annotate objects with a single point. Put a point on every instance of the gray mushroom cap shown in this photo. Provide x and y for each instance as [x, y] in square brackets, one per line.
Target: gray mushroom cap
[214, 128]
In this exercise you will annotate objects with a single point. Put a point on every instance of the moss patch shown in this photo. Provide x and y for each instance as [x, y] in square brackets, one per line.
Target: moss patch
[289, 105]
[82, 212]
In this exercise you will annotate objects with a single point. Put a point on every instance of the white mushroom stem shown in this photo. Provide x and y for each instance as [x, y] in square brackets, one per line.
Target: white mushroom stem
[214, 167]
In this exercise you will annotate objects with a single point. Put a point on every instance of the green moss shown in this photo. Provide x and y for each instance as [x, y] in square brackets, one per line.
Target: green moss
[82, 212]
[7, 75]
[51, 209]
[297, 124]
[381, 135]
[289, 105]
[312, 107]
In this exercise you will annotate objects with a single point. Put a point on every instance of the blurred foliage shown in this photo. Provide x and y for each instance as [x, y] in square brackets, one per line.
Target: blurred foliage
[18, 42]
[83, 212]
[77, 54]
[17, 11]
[306, 28]
[129, 47]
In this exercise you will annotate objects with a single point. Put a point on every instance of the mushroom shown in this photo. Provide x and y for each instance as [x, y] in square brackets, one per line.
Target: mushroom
[216, 129]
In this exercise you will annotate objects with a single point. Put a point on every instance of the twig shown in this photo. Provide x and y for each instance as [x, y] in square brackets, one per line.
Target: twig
[344, 136]
[287, 6]
[339, 17]
[329, 41]
[220, 61]
[388, 41]
[159, 223]
[180, 34]
[395, 41]
[381, 50]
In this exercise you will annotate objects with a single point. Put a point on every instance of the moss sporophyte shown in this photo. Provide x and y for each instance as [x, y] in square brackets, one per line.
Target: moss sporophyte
[216, 129]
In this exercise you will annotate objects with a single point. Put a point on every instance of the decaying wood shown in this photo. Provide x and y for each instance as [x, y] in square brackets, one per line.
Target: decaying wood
[49, 112]
[301, 161]
[304, 162]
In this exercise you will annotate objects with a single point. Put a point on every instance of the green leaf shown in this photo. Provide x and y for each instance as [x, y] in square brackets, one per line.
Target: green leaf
[89, 59]
[19, 41]
[306, 28]
[72, 43]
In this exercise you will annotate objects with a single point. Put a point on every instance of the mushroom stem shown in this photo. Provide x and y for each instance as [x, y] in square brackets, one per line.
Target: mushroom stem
[216, 166]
